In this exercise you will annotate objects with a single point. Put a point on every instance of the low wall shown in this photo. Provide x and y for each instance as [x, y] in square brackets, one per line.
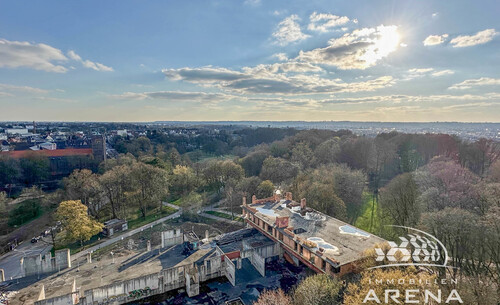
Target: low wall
[171, 238]
[41, 264]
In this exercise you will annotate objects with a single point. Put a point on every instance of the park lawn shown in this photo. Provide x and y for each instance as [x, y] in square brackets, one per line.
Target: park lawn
[364, 219]
[224, 215]
[151, 215]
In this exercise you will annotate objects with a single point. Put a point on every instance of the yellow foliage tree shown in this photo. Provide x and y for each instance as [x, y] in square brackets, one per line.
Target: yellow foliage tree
[77, 223]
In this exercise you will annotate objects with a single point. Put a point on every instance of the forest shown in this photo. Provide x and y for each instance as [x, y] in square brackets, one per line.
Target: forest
[436, 182]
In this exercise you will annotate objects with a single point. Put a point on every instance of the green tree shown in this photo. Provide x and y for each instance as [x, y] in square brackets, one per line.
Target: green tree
[35, 169]
[278, 170]
[265, 189]
[149, 186]
[77, 224]
[328, 151]
[398, 200]
[183, 180]
[84, 185]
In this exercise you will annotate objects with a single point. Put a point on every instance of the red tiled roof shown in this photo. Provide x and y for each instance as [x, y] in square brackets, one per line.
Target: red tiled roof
[18, 154]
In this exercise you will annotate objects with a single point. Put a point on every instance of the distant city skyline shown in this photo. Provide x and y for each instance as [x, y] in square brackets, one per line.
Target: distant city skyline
[250, 60]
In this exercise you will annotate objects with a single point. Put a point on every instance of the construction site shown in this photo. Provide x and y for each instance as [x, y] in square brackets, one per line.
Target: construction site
[283, 242]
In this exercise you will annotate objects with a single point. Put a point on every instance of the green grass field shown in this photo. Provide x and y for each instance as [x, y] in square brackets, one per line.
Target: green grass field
[224, 215]
[365, 218]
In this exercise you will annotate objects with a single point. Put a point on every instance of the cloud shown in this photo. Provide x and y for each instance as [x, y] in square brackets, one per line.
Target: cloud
[398, 99]
[433, 40]
[435, 15]
[174, 96]
[281, 56]
[17, 54]
[359, 49]
[24, 89]
[273, 79]
[289, 31]
[479, 38]
[89, 64]
[325, 22]
[252, 2]
[203, 75]
[421, 72]
[443, 73]
[469, 83]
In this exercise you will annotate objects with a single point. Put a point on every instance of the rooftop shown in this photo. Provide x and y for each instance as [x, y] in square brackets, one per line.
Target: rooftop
[341, 242]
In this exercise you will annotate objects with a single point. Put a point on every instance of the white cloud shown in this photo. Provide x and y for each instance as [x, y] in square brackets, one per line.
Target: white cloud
[252, 2]
[281, 56]
[89, 64]
[174, 96]
[16, 54]
[435, 15]
[25, 89]
[479, 38]
[469, 83]
[289, 31]
[357, 50]
[443, 73]
[420, 71]
[325, 22]
[433, 40]
[273, 79]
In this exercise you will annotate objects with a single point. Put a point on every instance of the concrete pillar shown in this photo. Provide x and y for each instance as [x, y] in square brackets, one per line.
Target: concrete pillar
[149, 245]
[2, 275]
[162, 240]
[89, 257]
[73, 288]
[41, 295]
[206, 234]
[238, 263]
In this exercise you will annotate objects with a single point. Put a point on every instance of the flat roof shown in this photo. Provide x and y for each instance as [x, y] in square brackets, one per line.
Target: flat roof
[341, 242]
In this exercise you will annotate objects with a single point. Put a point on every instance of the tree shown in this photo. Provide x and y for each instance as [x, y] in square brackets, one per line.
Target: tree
[273, 297]
[328, 151]
[302, 155]
[10, 171]
[265, 189]
[35, 169]
[115, 183]
[149, 186]
[322, 197]
[78, 225]
[217, 173]
[318, 289]
[399, 200]
[252, 163]
[84, 185]
[183, 180]
[278, 170]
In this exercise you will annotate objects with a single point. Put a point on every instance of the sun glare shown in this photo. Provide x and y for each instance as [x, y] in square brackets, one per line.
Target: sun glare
[387, 42]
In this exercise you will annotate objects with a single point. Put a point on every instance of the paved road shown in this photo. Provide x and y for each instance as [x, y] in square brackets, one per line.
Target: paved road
[11, 262]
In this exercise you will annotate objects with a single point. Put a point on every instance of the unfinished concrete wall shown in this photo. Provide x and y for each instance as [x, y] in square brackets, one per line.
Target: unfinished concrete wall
[66, 299]
[258, 262]
[125, 288]
[229, 270]
[171, 238]
[41, 264]
[63, 258]
[192, 282]
[2, 275]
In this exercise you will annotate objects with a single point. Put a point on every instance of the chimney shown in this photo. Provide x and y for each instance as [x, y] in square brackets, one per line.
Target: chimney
[302, 203]
[244, 200]
[254, 199]
[277, 197]
[288, 196]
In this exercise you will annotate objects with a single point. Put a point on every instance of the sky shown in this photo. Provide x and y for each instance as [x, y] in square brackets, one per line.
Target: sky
[356, 60]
